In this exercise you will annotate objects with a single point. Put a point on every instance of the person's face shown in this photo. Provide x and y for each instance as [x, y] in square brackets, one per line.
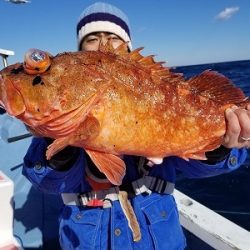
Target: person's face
[92, 41]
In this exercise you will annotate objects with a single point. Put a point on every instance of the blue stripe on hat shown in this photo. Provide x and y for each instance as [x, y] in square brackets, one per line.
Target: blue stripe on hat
[103, 17]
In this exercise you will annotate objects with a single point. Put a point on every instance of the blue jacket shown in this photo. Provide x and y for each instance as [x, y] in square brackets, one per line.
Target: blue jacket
[98, 228]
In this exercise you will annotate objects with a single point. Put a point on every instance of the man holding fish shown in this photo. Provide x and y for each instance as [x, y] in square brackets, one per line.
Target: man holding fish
[139, 212]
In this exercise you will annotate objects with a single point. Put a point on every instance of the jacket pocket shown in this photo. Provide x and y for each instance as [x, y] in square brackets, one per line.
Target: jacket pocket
[163, 222]
[79, 228]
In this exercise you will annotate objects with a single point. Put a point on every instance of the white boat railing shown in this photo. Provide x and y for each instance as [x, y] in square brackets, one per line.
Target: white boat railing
[4, 54]
[212, 228]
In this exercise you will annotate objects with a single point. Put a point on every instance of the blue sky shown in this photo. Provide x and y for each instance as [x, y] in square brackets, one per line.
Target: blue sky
[180, 32]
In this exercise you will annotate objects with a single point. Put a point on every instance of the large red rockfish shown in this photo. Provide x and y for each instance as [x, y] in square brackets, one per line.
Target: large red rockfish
[111, 103]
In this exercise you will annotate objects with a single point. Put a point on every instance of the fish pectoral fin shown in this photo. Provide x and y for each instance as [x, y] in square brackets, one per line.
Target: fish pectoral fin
[56, 146]
[111, 165]
[88, 129]
[63, 125]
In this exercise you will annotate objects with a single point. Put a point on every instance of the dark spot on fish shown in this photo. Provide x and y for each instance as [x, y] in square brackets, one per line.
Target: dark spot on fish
[42, 82]
[37, 80]
[38, 110]
[114, 146]
[99, 62]
[2, 111]
[136, 122]
[17, 70]
[37, 69]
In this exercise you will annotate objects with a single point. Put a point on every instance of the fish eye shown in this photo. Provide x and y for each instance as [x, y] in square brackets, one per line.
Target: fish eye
[36, 61]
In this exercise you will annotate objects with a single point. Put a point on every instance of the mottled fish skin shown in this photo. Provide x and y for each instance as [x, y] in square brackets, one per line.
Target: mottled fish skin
[111, 103]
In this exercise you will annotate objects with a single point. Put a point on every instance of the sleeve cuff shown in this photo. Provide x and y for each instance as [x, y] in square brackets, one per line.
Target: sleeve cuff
[217, 155]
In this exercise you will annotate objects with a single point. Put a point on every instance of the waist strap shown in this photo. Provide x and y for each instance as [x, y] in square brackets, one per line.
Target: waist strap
[146, 184]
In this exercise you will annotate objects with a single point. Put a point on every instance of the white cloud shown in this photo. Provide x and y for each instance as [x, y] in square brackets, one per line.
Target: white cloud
[227, 13]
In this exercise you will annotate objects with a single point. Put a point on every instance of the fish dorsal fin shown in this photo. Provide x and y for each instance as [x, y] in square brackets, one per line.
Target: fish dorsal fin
[122, 50]
[107, 47]
[135, 54]
[162, 74]
[157, 69]
[216, 87]
[147, 61]
[111, 165]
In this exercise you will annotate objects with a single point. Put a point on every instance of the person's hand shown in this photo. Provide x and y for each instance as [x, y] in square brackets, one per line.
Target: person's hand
[238, 128]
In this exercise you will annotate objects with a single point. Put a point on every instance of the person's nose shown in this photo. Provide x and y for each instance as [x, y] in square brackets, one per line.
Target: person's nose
[104, 40]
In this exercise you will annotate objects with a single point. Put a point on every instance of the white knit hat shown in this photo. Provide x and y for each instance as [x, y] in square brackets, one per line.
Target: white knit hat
[103, 17]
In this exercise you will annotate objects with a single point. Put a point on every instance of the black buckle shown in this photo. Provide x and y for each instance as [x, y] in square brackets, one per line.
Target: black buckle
[128, 188]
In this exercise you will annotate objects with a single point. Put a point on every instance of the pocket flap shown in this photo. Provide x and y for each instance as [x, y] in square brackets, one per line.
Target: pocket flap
[91, 216]
[160, 209]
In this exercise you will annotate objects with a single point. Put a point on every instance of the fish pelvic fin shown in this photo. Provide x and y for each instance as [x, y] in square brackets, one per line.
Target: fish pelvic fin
[216, 87]
[56, 146]
[111, 165]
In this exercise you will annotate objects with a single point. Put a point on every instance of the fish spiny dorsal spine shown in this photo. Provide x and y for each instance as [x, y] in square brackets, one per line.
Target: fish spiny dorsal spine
[107, 47]
[147, 62]
[157, 70]
[122, 50]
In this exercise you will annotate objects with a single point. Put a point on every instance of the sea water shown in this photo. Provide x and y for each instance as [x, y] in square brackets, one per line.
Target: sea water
[227, 194]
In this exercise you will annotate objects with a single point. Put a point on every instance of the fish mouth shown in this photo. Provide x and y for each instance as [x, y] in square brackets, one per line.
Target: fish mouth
[11, 99]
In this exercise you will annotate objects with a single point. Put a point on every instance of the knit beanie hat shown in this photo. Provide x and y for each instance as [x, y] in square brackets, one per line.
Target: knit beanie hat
[103, 17]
